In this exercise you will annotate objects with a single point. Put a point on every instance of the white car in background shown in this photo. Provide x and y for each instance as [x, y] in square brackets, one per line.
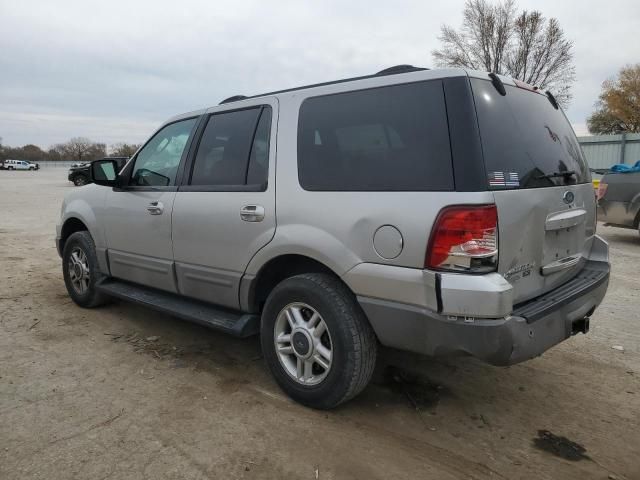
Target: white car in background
[19, 165]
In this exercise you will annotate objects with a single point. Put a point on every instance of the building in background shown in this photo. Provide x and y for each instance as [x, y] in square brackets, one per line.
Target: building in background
[603, 151]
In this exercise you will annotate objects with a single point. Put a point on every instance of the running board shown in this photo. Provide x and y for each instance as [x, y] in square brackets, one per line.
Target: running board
[229, 321]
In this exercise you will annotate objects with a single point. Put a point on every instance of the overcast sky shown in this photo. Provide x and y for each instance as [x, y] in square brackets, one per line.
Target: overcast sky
[113, 70]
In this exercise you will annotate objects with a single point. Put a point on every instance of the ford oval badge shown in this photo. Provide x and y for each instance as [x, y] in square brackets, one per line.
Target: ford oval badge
[568, 197]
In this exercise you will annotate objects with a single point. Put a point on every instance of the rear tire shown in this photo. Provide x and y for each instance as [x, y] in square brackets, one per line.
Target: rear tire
[80, 270]
[9, 168]
[342, 357]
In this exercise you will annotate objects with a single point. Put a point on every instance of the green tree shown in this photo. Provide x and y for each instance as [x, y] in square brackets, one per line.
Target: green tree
[618, 106]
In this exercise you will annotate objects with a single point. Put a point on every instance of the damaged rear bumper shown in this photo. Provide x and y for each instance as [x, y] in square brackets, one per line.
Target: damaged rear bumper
[531, 329]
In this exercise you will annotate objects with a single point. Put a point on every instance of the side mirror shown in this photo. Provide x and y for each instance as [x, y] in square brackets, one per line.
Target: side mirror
[104, 172]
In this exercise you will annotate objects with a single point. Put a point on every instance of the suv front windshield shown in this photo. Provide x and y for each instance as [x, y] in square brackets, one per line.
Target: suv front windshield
[526, 142]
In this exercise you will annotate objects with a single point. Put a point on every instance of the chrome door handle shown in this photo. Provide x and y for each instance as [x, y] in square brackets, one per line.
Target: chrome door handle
[155, 208]
[252, 213]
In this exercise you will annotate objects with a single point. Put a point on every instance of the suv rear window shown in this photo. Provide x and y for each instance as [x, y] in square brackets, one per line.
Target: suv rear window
[524, 139]
[386, 139]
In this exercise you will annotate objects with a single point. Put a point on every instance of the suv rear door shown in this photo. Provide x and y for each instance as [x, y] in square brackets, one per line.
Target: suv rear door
[224, 210]
[541, 185]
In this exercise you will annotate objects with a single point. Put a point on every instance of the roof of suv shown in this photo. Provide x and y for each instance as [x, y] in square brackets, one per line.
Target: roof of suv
[397, 69]
[389, 76]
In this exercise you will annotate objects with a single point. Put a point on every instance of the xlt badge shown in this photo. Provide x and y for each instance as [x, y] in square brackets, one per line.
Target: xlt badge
[524, 269]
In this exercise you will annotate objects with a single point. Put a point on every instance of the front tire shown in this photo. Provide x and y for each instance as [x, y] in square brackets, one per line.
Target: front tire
[80, 180]
[317, 341]
[80, 270]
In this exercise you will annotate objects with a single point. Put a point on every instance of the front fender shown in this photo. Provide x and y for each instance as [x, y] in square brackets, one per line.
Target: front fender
[85, 204]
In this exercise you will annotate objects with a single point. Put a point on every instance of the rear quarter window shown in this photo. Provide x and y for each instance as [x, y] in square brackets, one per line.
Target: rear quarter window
[525, 139]
[383, 139]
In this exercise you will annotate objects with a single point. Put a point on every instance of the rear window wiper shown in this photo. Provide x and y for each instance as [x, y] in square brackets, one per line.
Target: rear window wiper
[568, 173]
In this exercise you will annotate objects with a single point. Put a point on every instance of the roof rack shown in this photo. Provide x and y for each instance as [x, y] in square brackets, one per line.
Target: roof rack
[235, 98]
[396, 69]
[404, 68]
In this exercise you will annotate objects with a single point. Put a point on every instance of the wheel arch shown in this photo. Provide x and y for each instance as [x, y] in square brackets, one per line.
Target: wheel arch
[70, 226]
[295, 248]
[635, 207]
[254, 290]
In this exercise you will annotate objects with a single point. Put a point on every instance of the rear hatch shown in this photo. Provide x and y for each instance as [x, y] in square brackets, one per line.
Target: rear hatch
[541, 185]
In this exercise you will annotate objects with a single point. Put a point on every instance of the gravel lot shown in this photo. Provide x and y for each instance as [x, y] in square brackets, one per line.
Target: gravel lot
[122, 392]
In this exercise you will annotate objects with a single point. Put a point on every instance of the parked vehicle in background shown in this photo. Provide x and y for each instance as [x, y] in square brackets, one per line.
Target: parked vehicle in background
[80, 173]
[434, 211]
[19, 165]
[619, 199]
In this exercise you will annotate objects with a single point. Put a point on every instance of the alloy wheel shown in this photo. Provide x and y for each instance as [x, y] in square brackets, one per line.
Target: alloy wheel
[79, 273]
[303, 343]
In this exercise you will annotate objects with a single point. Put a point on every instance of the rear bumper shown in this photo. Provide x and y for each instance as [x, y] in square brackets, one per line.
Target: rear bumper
[530, 330]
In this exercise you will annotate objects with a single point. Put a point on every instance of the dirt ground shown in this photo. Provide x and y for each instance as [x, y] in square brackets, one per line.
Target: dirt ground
[125, 393]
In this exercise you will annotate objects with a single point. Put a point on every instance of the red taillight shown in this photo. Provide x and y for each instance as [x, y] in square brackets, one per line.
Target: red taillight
[602, 190]
[464, 238]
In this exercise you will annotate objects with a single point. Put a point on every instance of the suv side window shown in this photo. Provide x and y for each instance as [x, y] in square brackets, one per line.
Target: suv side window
[392, 138]
[157, 163]
[234, 149]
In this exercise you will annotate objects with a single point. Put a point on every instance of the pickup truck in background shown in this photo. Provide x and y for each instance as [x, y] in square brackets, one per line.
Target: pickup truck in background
[18, 165]
[619, 199]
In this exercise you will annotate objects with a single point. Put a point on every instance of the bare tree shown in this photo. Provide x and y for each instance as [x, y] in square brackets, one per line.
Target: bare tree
[524, 46]
[54, 154]
[81, 149]
[29, 152]
[123, 149]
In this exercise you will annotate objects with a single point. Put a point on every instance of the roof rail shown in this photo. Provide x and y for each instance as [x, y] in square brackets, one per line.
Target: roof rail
[235, 98]
[404, 68]
[387, 71]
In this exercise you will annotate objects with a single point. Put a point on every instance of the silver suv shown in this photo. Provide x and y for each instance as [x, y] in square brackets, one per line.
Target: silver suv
[435, 211]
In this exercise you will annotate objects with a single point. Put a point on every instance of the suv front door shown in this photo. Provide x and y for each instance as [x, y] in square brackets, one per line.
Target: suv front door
[224, 211]
[138, 214]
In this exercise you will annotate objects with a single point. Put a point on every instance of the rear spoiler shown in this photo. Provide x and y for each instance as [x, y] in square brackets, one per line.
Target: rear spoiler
[499, 86]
